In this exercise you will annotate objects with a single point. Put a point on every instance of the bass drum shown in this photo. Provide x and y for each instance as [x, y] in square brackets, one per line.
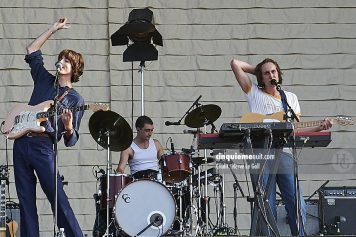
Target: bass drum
[145, 208]
[116, 182]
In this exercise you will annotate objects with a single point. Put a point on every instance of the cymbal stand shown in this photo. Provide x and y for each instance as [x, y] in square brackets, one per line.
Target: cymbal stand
[224, 204]
[191, 206]
[108, 168]
[206, 197]
[223, 211]
[221, 226]
[199, 213]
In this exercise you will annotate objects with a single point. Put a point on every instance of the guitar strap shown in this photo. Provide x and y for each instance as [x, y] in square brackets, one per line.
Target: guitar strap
[286, 106]
[60, 98]
[284, 101]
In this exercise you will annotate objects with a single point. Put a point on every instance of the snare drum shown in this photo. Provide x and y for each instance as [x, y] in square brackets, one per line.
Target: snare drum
[146, 208]
[175, 167]
[117, 182]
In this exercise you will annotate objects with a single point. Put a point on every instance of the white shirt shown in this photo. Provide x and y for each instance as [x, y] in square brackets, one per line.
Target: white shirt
[263, 103]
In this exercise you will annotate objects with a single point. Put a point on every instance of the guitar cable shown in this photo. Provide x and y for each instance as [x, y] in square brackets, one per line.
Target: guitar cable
[1, 125]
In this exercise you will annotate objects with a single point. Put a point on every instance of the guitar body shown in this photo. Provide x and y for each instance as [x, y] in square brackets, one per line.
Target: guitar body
[12, 228]
[259, 118]
[22, 120]
[26, 118]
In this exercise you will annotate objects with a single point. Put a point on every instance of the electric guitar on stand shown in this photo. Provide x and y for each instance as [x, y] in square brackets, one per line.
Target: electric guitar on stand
[3, 180]
[25, 118]
[11, 225]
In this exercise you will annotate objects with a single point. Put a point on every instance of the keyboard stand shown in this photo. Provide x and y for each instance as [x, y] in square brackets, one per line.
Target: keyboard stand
[263, 222]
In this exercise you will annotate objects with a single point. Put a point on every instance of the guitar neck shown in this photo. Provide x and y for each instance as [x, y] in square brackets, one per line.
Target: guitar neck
[51, 113]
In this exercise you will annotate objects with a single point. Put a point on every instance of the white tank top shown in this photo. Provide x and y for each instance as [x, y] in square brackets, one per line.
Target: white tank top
[143, 159]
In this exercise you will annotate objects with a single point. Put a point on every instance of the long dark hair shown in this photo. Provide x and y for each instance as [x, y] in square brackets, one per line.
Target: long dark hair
[258, 71]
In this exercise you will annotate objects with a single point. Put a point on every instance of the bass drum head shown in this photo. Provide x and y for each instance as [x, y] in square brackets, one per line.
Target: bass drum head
[141, 203]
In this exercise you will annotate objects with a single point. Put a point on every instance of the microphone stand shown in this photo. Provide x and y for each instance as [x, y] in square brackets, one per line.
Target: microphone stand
[156, 220]
[142, 66]
[188, 111]
[55, 148]
[299, 217]
[235, 186]
[318, 190]
[289, 108]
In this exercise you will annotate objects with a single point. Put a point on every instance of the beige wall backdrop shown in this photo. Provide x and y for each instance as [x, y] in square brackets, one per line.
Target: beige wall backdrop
[313, 41]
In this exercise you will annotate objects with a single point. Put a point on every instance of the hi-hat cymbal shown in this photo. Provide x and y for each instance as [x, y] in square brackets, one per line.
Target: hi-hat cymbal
[104, 123]
[203, 115]
[201, 160]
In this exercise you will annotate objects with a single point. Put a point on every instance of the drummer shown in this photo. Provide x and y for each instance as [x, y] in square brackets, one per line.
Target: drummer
[144, 152]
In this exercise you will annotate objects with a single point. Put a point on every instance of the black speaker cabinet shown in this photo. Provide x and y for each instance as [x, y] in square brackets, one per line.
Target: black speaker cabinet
[13, 213]
[337, 212]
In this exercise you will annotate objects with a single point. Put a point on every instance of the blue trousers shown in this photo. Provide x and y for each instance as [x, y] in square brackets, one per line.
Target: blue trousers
[35, 154]
[284, 178]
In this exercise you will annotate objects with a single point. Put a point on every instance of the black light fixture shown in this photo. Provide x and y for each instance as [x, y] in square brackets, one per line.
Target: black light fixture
[142, 32]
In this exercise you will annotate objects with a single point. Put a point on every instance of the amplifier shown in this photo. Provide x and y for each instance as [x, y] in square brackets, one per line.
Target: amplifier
[336, 213]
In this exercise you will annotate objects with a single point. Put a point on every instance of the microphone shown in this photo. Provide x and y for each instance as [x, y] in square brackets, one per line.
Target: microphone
[190, 131]
[196, 102]
[172, 146]
[167, 123]
[275, 83]
[59, 65]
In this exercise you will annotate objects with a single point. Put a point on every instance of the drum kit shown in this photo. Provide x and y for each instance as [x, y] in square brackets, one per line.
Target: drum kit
[174, 204]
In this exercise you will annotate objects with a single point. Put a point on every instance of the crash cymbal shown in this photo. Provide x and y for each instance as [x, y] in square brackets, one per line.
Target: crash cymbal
[201, 160]
[104, 123]
[205, 114]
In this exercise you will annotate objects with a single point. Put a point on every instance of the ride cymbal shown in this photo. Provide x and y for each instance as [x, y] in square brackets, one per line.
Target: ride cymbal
[108, 123]
[203, 115]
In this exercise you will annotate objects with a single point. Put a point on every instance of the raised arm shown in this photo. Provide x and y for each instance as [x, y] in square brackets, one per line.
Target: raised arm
[37, 43]
[240, 70]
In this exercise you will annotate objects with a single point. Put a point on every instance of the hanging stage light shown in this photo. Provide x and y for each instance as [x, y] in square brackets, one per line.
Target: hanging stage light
[142, 32]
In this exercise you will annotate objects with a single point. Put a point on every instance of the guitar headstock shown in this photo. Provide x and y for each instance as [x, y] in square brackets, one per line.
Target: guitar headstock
[343, 120]
[98, 106]
[4, 172]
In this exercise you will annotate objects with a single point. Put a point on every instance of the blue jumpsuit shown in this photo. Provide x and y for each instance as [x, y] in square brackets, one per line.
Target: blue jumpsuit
[36, 155]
